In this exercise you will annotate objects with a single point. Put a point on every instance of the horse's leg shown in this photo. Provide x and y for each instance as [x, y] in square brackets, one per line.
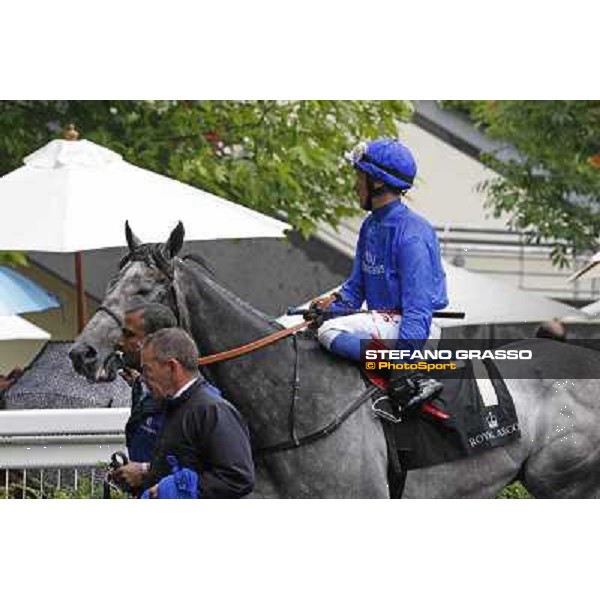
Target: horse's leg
[565, 462]
[486, 474]
[349, 463]
[482, 476]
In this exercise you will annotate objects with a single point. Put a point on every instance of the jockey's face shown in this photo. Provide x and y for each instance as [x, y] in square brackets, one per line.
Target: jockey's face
[362, 189]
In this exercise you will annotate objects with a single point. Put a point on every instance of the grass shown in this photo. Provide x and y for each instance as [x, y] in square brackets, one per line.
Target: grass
[515, 491]
[84, 491]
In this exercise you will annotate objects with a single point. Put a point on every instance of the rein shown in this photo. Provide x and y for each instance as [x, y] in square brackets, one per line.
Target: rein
[255, 345]
[294, 441]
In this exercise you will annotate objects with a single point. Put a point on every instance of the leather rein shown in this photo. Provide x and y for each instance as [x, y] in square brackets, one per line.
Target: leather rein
[252, 346]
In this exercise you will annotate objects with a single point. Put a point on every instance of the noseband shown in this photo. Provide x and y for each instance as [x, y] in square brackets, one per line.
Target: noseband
[111, 313]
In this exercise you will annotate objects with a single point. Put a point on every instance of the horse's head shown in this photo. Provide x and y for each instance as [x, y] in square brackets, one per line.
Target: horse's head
[146, 273]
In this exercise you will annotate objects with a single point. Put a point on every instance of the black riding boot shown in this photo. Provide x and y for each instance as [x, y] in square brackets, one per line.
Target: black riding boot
[411, 391]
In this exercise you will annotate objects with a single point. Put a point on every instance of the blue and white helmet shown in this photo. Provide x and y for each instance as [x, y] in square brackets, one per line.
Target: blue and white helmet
[387, 160]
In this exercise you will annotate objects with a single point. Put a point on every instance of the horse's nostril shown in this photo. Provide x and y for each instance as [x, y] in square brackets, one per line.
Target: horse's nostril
[90, 354]
[82, 355]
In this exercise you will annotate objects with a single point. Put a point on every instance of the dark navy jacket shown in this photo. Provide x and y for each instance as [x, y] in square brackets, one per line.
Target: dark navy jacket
[208, 435]
[397, 267]
[144, 424]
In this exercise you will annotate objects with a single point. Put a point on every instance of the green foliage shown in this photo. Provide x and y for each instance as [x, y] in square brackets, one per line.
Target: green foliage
[515, 491]
[84, 492]
[470, 108]
[32, 490]
[553, 187]
[269, 155]
[13, 259]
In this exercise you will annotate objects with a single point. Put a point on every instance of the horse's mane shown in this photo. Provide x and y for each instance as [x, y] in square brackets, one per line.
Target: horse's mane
[200, 261]
[149, 253]
[155, 252]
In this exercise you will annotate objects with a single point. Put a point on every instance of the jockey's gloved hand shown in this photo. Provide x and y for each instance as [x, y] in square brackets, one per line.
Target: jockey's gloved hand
[317, 311]
[315, 315]
[411, 391]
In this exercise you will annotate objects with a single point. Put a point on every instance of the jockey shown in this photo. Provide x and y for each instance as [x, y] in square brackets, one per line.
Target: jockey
[397, 268]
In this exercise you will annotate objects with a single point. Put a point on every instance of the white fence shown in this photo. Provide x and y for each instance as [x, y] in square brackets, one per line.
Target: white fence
[49, 447]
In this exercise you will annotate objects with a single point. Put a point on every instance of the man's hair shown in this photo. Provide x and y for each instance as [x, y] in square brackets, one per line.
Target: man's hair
[175, 343]
[156, 316]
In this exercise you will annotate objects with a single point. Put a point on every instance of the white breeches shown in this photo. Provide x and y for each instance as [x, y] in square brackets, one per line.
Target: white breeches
[377, 325]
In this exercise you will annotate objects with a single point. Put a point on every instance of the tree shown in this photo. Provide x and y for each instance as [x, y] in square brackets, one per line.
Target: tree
[273, 156]
[553, 187]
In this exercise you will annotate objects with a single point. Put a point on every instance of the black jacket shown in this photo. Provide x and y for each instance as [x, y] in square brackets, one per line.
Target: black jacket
[207, 434]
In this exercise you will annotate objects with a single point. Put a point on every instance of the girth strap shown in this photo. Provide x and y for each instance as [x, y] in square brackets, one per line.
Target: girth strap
[396, 472]
[332, 426]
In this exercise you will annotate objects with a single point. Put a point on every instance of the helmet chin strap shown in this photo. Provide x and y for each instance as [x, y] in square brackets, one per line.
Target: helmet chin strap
[373, 192]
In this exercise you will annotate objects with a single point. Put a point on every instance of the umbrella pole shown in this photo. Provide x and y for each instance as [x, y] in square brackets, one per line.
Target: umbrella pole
[81, 307]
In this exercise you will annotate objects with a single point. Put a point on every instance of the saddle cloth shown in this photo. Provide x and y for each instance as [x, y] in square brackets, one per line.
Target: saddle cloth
[474, 413]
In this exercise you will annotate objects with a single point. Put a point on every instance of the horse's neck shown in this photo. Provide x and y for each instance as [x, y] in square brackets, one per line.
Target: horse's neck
[221, 321]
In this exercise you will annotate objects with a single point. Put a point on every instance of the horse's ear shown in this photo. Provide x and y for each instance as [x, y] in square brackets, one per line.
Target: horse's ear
[175, 241]
[132, 240]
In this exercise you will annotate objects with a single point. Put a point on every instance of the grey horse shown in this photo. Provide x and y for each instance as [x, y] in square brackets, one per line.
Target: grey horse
[558, 455]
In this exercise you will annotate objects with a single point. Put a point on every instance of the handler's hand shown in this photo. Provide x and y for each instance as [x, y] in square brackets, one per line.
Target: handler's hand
[129, 375]
[153, 492]
[132, 474]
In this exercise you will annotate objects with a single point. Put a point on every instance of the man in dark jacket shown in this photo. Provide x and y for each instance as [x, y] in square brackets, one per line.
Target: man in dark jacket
[142, 428]
[202, 432]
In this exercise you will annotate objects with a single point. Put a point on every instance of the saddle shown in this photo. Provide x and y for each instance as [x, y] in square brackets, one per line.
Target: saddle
[474, 413]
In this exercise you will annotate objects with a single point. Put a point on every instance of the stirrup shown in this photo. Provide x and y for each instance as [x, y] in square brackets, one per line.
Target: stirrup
[382, 407]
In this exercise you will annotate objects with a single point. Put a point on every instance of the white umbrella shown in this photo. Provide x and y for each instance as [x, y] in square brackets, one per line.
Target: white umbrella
[16, 328]
[76, 195]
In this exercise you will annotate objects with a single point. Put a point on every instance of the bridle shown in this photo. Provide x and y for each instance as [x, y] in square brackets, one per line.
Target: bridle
[152, 254]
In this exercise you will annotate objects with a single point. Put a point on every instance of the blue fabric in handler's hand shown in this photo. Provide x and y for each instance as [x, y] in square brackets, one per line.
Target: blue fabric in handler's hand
[182, 484]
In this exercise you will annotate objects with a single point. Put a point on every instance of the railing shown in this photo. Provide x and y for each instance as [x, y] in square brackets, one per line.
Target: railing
[499, 252]
[42, 451]
[509, 254]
